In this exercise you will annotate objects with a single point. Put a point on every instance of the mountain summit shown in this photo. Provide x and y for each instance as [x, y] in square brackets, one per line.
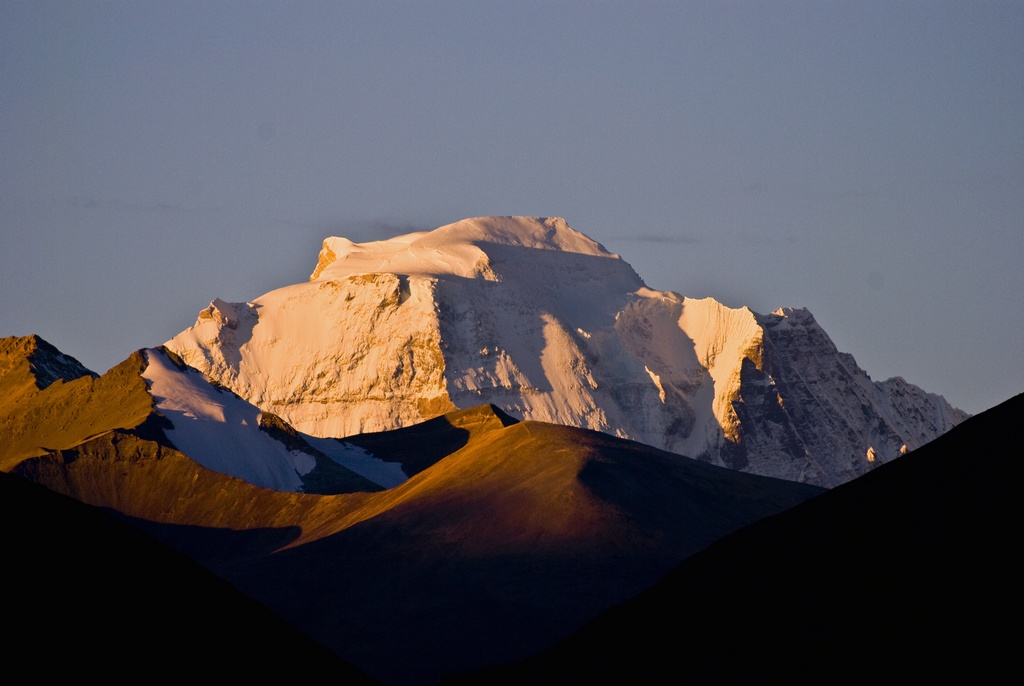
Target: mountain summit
[465, 249]
[529, 315]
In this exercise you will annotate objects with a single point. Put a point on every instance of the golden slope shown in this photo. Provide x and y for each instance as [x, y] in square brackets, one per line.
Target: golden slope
[503, 547]
[509, 537]
[66, 413]
[142, 479]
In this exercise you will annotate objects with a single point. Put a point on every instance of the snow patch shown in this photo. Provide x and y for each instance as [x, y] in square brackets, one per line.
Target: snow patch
[219, 430]
[360, 461]
[657, 382]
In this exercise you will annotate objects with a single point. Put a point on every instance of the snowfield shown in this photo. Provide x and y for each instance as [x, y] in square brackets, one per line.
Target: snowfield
[221, 431]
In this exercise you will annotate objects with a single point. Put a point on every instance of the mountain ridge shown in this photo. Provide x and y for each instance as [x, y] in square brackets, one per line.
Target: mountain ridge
[506, 536]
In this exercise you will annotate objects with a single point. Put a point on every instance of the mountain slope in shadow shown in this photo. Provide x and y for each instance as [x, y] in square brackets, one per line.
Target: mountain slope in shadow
[85, 595]
[912, 570]
[489, 554]
[504, 547]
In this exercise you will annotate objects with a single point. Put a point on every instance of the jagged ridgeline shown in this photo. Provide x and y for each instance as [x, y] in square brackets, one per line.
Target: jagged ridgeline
[531, 316]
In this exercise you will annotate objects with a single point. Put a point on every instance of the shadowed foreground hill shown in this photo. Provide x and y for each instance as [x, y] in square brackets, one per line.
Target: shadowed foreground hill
[912, 570]
[504, 547]
[85, 595]
[487, 555]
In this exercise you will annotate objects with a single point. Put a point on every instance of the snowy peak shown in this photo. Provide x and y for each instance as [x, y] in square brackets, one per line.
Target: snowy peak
[467, 248]
[539, 320]
[538, 233]
[789, 316]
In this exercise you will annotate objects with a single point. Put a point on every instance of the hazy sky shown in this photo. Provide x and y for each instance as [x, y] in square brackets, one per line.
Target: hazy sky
[864, 160]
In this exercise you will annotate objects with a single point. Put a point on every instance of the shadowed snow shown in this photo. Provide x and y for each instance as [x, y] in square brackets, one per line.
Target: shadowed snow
[219, 430]
[363, 463]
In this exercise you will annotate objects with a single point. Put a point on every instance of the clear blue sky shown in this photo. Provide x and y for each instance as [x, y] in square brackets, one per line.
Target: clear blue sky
[861, 159]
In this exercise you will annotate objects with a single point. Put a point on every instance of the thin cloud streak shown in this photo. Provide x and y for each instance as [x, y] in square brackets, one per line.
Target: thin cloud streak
[667, 240]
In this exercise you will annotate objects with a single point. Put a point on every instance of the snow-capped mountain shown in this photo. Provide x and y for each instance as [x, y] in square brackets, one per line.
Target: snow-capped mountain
[534, 317]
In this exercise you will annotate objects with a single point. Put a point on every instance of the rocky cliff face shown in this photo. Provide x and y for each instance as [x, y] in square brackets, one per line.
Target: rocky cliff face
[531, 316]
[808, 398]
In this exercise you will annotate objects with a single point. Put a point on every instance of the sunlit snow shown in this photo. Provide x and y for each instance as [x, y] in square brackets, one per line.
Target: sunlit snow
[536, 318]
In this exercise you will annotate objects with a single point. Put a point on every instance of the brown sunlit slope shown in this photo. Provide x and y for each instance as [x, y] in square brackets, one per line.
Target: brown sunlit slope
[150, 482]
[50, 403]
[37, 418]
[910, 571]
[87, 597]
[488, 554]
[503, 547]
[29, 364]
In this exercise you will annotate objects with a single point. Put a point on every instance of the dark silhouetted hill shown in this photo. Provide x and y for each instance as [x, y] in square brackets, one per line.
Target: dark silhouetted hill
[85, 596]
[911, 571]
